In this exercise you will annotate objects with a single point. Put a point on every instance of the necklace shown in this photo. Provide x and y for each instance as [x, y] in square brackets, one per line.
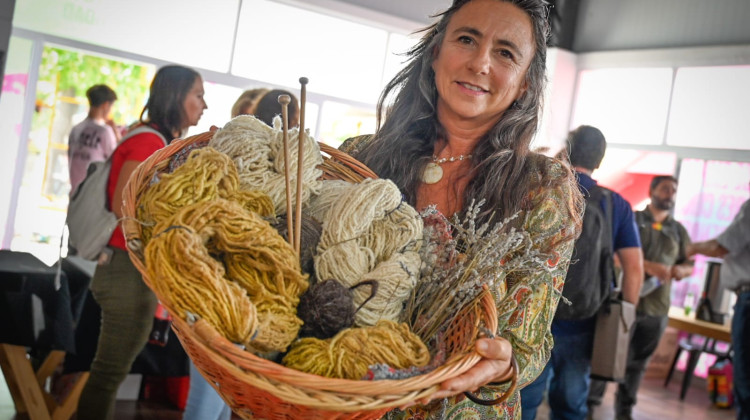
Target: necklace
[434, 173]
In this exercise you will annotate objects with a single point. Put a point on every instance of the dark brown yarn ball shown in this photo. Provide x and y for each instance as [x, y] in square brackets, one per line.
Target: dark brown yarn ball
[309, 238]
[326, 308]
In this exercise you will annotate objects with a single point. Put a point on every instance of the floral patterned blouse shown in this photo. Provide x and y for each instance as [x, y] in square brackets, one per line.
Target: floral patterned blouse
[528, 301]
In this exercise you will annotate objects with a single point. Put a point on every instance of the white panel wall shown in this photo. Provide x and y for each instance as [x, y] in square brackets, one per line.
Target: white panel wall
[196, 33]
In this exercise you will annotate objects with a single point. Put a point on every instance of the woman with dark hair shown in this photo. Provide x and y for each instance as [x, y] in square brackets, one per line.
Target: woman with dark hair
[175, 103]
[455, 127]
[268, 107]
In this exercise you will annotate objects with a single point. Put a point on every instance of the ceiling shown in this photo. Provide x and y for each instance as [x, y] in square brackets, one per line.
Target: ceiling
[606, 25]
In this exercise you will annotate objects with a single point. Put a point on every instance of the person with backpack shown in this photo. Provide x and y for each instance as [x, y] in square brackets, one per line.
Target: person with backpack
[608, 227]
[175, 103]
[664, 242]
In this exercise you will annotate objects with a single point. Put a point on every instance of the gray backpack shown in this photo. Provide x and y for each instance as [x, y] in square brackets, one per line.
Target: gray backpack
[90, 221]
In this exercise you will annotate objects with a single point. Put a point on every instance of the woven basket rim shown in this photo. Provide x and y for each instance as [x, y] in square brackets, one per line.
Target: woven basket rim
[344, 395]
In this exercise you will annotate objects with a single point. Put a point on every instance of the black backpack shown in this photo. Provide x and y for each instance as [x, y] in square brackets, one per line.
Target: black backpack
[591, 273]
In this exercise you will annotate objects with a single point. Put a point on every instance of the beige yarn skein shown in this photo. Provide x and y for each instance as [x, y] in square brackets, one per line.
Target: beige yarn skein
[369, 233]
[258, 152]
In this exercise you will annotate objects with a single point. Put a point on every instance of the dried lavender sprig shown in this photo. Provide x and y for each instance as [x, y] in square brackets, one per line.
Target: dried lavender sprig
[462, 272]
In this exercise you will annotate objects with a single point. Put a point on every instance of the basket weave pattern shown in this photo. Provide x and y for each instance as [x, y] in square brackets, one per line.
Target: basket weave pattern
[256, 388]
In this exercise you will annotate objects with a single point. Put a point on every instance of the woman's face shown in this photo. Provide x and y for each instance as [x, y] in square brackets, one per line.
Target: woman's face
[481, 64]
[194, 104]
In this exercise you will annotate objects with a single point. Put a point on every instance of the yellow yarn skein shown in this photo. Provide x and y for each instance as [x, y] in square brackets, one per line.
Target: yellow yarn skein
[256, 258]
[206, 175]
[188, 279]
[351, 352]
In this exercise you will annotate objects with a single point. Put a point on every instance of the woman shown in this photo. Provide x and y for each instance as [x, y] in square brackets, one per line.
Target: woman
[460, 119]
[268, 107]
[245, 104]
[175, 103]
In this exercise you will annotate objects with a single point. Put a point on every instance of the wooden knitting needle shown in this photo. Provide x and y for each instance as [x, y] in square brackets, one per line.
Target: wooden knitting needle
[300, 151]
[284, 101]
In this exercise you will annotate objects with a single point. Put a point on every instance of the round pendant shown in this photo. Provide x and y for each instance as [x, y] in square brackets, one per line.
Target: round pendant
[432, 173]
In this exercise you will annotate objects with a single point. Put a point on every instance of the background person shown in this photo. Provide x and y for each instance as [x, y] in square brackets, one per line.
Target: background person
[664, 242]
[127, 305]
[245, 104]
[733, 245]
[472, 90]
[95, 138]
[268, 107]
[566, 376]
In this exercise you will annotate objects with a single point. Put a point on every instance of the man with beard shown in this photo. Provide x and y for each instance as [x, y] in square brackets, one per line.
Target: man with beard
[664, 242]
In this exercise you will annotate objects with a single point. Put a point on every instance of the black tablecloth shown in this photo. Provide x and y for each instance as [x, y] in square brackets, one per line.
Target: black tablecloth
[34, 312]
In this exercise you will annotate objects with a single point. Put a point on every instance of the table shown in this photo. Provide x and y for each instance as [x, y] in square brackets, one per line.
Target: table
[688, 323]
[38, 315]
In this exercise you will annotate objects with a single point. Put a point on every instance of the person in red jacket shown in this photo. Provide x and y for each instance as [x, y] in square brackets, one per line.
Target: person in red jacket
[175, 103]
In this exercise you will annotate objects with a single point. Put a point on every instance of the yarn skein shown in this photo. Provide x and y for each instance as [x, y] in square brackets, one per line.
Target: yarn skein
[258, 152]
[329, 192]
[206, 175]
[352, 351]
[370, 234]
[195, 284]
[254, 257]
[328, 307]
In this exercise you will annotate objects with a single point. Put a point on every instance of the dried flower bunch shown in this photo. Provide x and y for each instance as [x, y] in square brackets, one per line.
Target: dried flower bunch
[460, 260]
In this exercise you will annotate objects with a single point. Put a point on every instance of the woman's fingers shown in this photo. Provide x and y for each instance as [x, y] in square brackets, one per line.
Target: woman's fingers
[500, 352]
[494, 348]
[495, 365]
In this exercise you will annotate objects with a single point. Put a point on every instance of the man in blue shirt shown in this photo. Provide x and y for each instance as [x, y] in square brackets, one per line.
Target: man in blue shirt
[566, 376]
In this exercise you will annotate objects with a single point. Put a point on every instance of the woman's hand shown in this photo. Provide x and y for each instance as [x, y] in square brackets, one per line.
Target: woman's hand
[495, 366]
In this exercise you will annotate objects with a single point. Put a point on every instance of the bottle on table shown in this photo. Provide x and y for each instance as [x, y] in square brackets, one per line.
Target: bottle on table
[688, 303]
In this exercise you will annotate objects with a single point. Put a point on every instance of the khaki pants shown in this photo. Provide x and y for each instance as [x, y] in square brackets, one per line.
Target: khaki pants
[128, 307]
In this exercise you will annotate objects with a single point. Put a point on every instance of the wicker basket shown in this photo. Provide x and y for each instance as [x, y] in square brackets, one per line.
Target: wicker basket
[256, 388]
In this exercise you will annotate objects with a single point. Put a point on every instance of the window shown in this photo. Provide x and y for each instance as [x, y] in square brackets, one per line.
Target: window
[709, 195]
[629, 172]
[15, 84]
[710, 107]
[219, 99]
[398, 46]
[629, 105]
[277, 43]
[191, 32]
[341, 121]
[64, 76]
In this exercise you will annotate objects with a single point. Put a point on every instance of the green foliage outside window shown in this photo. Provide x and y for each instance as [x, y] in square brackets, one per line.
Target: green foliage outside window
[64, 75]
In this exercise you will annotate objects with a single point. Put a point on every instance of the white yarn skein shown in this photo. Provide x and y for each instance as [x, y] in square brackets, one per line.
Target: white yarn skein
[329, 192]
[361, 241]
[258, 152]
[245, 139]
[396, 278]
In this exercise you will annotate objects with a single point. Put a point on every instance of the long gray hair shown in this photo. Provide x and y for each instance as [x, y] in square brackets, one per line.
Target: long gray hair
[408, 128]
